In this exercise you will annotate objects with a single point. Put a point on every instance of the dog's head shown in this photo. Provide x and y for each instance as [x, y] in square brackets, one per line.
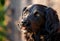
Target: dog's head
[36, 18]
[33, 17]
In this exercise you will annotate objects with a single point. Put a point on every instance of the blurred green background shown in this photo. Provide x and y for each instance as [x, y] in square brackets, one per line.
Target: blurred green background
[3, 33]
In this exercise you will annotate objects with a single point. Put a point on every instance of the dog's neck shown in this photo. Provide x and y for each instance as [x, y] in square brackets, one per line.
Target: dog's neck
[40, 34]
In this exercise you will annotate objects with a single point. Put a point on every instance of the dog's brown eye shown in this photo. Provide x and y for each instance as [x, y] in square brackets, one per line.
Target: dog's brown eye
[36, 14]
[25, 14]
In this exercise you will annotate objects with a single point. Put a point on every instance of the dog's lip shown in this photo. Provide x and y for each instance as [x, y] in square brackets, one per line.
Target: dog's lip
[24, 28]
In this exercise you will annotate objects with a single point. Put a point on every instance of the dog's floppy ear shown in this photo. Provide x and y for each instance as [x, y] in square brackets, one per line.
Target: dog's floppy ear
[52, 20]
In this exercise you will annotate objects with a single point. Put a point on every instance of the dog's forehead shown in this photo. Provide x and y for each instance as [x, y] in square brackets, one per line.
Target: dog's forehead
[34, 8]
[31, 8]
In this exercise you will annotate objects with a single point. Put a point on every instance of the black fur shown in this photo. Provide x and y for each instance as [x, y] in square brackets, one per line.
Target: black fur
[49, 25]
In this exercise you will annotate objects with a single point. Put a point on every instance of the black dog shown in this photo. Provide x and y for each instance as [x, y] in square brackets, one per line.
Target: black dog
[40, 22]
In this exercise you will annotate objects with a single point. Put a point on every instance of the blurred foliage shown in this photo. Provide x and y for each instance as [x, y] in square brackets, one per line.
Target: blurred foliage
[2, 25]
[2, 2]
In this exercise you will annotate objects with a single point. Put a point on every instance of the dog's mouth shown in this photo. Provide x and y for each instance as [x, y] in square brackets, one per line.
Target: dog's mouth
[25, 26]
[25, 29]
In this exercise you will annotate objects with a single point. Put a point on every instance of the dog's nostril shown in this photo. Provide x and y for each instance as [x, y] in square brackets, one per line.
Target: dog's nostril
[25, 23]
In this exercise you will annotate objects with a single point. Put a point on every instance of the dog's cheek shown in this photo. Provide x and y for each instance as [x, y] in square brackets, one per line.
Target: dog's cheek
[34, 26]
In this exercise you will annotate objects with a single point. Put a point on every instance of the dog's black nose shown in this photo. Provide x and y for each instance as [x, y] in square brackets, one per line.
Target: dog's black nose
[25, 23]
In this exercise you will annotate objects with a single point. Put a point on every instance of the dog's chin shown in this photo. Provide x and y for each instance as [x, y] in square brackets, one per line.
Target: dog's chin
[23, 30]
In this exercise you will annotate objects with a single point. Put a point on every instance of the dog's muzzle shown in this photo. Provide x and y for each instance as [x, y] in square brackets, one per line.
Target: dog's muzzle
[26, 25]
